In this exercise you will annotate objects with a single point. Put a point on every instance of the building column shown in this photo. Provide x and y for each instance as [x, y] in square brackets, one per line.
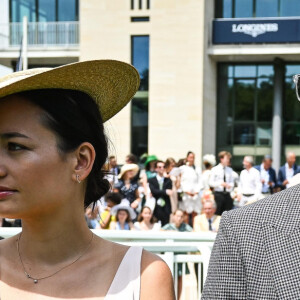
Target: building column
[277, 113]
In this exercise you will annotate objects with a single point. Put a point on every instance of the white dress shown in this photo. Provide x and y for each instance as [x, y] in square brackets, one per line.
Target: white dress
[127, 281]
[156, 226]
[190, 182]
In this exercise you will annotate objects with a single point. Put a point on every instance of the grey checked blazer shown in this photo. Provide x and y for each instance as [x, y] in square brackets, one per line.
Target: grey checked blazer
[257, 251]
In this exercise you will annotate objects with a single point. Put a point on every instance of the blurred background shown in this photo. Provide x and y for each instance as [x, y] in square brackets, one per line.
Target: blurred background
[216, 75]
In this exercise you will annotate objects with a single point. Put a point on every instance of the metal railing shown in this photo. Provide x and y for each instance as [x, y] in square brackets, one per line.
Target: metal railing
[186, 253]
[40, 34]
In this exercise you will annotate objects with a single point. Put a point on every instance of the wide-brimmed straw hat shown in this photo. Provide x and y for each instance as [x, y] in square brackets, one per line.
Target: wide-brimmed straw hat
[128, 167]
[124, 205]
[111, 83]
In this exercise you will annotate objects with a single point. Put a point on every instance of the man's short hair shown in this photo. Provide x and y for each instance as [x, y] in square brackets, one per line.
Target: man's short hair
[212, 201]
[290, 153]
[249, 159]
[112, 157]
[267, 156]
[222, 154]
[158, 162]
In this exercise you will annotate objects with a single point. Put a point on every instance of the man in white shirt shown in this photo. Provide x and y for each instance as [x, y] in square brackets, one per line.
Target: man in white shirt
[250, 185]
[222, 181]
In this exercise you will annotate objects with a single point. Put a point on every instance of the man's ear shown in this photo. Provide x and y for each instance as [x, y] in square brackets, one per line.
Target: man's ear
[85, 158]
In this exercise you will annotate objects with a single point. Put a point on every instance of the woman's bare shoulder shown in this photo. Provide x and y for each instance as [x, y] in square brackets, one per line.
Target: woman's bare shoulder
[109, 248]
[156, 278]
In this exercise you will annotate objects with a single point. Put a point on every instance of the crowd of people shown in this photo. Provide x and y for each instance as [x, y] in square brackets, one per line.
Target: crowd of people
[170, 195]
[179, 196]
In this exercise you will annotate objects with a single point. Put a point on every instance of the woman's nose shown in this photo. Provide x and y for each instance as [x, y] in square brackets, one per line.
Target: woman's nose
[3, 170]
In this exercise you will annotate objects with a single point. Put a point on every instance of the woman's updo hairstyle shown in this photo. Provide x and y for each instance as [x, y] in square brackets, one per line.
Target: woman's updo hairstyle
[75, 118]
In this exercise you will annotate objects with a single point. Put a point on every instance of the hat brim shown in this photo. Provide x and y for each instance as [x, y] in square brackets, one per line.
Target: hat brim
[111, 83]
[118, 207]
[133, 167]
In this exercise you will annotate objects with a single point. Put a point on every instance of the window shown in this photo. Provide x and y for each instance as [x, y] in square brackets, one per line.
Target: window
[140, 4]
[245, 109]
[44, 10]
[139, 105]
[140, 19]
[140, 58]
[257, 8]
[21, 8]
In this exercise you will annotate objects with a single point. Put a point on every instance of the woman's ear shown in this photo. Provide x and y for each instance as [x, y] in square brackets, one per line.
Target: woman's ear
[85, 158]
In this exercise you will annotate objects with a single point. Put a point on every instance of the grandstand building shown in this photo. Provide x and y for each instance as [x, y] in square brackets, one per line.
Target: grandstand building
[216, 75]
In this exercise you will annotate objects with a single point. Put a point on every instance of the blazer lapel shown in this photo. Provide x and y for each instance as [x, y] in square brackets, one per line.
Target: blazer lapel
[282, 249]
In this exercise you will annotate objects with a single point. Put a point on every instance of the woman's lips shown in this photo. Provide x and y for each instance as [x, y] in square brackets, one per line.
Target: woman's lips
[5, 192]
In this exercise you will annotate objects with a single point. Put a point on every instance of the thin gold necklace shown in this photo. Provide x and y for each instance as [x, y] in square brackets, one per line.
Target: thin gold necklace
[36, 280]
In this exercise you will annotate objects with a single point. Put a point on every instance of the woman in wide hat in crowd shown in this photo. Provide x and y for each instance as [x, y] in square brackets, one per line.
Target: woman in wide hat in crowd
[127, 186]
[124, 214]
[52, 149]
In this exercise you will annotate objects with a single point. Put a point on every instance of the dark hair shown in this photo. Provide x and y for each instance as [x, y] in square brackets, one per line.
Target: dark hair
[190, 152]
[181, 162]
[128, 219]
[158, 162]
[75, 118]
[207, 165]
[140, 217]
[169, 161]
[113, 197]
[132, 158]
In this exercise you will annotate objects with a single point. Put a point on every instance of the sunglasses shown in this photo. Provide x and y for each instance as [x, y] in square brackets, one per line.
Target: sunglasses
[297, 85]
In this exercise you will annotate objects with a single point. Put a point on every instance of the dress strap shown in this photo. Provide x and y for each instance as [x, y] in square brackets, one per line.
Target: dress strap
[127, 281]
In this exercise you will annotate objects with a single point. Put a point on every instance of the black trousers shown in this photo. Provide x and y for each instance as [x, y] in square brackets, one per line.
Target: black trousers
[162, 214]
[224, 202]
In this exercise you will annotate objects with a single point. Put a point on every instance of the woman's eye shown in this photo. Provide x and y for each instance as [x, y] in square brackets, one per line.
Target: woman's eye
[15, 147]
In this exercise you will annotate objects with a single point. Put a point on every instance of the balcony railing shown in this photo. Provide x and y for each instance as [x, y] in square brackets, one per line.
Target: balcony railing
[40, 35]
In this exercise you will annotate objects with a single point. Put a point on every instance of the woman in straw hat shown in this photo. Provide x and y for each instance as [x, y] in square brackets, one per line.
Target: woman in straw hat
[52, 149]
[127, 186]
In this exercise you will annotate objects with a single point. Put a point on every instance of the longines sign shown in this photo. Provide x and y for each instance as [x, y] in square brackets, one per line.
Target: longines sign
[256, 31]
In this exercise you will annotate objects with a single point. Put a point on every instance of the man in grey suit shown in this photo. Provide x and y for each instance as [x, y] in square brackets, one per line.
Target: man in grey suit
[256, 254]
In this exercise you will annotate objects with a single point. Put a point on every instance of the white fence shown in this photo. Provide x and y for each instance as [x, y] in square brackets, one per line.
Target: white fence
[180, 250]
[40, 34]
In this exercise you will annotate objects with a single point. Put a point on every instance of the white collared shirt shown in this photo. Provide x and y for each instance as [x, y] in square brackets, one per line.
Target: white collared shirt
[217, 178]
[264, 174]
[250, 183]
[289, 173]
[160, 181]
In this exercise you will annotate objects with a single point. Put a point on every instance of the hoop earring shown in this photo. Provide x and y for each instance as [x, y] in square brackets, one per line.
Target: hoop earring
[77, 178]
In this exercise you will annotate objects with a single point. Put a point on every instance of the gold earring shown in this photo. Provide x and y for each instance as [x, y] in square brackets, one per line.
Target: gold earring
[77, 178]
